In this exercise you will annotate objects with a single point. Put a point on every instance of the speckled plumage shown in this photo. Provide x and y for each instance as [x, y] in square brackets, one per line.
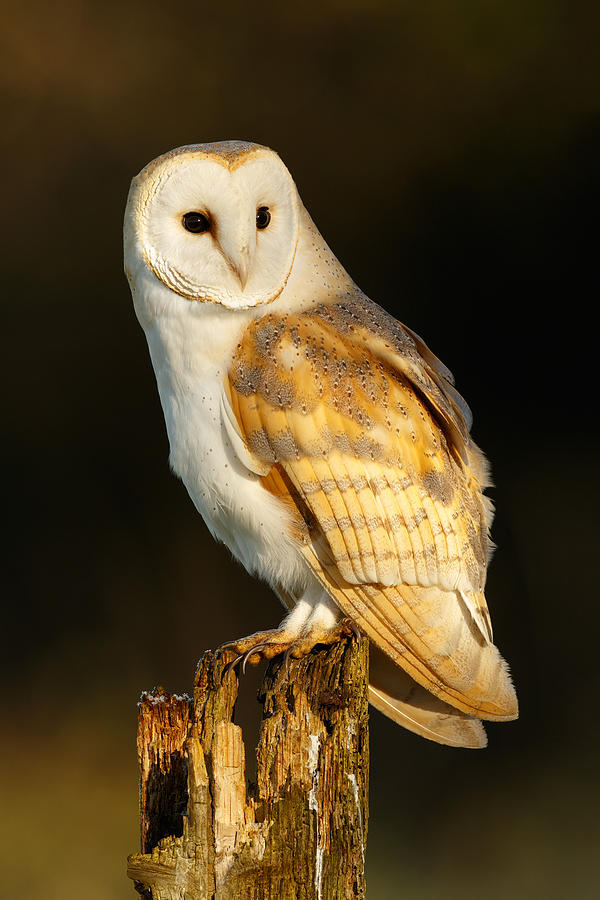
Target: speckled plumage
[320, 439]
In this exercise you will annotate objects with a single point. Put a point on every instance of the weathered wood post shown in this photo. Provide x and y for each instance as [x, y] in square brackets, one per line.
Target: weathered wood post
[301, 831]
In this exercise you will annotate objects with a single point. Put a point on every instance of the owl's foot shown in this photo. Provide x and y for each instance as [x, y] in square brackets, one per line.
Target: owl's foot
[265, 645]
[258, 646]
[307, 642]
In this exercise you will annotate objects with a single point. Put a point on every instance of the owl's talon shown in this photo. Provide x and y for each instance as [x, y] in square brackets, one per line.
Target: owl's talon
[286, 658]
[349, 626]
[250, 653]
[231, 665]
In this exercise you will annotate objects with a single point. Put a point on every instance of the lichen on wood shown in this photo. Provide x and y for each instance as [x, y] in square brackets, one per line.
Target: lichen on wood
[300, 831]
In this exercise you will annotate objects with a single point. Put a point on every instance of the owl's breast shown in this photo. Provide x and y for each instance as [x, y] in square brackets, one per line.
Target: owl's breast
[230, 497]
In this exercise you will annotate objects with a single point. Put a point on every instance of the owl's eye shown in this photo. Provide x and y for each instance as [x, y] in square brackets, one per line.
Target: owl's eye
[196, 222]
[263, 216]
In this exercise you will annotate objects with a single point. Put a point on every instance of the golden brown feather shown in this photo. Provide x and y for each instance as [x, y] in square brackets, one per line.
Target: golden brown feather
[369, 449]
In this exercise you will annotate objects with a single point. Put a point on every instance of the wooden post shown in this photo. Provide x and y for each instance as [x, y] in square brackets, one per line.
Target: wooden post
[300, 832]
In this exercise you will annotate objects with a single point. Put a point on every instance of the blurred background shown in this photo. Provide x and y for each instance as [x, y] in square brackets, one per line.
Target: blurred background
[449, 154]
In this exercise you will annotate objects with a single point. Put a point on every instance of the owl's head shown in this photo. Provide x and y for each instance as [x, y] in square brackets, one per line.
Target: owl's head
[215, 222]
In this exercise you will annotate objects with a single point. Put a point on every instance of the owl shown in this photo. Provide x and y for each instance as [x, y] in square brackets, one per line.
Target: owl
[318, 437]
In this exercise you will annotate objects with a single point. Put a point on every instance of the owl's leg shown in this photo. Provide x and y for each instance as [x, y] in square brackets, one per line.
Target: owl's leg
[323, 626]
[315, 619]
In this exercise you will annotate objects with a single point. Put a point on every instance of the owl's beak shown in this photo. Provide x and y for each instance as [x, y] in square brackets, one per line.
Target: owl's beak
[238, 254]
[241, 266]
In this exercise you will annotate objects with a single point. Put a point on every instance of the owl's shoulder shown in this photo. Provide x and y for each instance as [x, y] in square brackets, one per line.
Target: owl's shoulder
[350, 353]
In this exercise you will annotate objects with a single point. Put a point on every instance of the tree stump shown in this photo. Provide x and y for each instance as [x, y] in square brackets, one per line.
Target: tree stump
[300, 832]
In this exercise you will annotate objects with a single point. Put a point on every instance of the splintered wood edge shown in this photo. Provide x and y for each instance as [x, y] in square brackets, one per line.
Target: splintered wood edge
[215, 694]
[164, 722]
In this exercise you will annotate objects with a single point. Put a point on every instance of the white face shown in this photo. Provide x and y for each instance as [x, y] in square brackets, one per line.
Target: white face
[215, 223]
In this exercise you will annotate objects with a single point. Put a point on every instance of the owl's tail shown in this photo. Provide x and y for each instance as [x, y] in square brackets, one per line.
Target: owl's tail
[396, 695]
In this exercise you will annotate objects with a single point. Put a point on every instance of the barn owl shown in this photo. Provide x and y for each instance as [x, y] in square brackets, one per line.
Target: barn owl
[320, 439]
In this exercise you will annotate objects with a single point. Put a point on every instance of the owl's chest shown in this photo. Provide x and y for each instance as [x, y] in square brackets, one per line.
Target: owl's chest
[200, 451]
[229, 496]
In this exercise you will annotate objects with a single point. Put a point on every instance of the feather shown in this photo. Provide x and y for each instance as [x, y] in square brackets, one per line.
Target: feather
[397, 696]
[369, 448]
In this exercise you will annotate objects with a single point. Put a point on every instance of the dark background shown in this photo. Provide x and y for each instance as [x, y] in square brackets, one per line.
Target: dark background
[449, 154]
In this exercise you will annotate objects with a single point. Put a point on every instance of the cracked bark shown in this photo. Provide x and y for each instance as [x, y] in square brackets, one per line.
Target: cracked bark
[300, 832]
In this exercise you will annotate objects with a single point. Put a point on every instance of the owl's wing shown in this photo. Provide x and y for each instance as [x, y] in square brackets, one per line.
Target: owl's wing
[360, 431]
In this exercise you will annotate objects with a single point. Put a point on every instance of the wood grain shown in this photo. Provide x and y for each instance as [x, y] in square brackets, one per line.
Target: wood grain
[300, 831]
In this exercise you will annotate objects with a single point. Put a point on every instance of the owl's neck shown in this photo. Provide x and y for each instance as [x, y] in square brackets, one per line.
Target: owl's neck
[317, 276]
